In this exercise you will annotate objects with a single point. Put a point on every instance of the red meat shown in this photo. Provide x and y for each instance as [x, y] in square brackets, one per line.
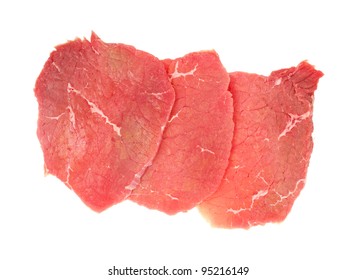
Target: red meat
[271, 149]
[196, 144]
[102, 110]
[117, 123]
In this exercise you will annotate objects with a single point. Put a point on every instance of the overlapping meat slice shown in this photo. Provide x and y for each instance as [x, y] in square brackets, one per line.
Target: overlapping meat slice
[102, 110]
[194, 152]
[271, 149]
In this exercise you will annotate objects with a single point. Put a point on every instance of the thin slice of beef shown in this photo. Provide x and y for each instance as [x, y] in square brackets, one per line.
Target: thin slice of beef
[194, 152]
[102, 110]
[271, 149]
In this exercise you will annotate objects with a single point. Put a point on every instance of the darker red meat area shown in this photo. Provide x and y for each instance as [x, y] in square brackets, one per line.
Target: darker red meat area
[117, 123]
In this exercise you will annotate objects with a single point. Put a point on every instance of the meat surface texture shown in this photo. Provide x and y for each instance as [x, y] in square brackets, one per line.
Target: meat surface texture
[102, 110]
[271, 149]
[196, 143]
[117, 123]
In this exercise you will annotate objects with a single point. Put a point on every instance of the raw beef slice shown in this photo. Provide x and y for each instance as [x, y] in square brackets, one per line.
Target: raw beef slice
[102, 110]
[271, 149]
[196, 143]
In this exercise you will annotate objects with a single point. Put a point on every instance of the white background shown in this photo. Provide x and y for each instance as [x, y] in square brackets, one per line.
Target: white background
[45, 230]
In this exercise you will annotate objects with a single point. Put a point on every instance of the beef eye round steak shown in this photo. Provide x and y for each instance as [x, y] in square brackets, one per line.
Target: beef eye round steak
[272, 145]
[117, 123]
[196, 143]
[102, 111]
